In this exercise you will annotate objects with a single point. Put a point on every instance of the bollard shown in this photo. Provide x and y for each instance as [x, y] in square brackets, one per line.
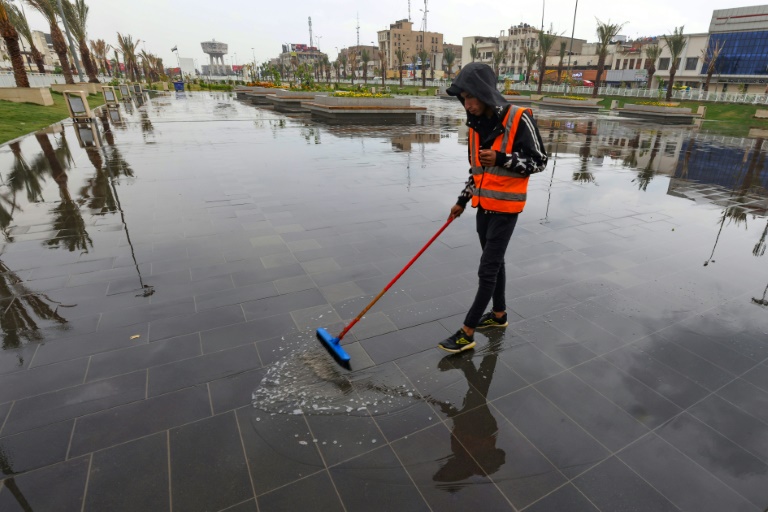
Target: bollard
[702, 111]
[614, 104]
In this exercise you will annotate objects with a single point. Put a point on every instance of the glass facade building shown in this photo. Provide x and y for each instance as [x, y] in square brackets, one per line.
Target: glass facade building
[744, 53]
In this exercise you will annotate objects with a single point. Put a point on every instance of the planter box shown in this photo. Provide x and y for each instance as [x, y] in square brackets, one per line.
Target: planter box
[37, 95]
[655, 109]
[381, 110]
[587, 102]
[293, 101]
[86, 88]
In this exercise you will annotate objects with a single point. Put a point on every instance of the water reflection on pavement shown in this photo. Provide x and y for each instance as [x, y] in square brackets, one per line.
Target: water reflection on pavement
[164, 268]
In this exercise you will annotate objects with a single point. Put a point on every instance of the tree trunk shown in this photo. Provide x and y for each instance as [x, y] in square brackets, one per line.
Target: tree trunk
[560, 72]
[400, 72]
[107, 68]
[672, 72]
[651, 71]
[542, 69]
[60, 47]
[19, 73]
[423, 76]
[709, 78]
[365, 74]
[90, 68]
[600, 68]
[38, 58]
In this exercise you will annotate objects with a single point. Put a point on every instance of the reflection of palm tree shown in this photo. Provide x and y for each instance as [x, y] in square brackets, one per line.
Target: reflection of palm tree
[645, 176]
[68, 221]
[583, 175]
[631, 159]
[22, 175]
[7, 468]
[20, 320]
[759, 249]
[474, 435]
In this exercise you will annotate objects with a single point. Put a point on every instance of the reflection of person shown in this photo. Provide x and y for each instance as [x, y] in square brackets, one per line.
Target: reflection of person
[473, 439]
[505, 148]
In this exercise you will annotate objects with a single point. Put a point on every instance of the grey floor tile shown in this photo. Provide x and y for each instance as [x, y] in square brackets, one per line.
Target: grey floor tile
[272, 306]
[567, 498]
[131, 477]
[198, 447]
[681, 480]
[132, 421]
[613, 486]
[35, 449]
[35, 381]
[177, 326]
[315, 491]
[234, 391]
[746, 397]
[89, 344]
[59, 487]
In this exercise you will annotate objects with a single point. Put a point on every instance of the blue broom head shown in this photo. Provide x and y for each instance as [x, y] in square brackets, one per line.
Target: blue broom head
[332, 345]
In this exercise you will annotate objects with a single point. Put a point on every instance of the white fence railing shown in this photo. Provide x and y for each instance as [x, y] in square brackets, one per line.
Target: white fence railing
[681, 95]
[40, 80]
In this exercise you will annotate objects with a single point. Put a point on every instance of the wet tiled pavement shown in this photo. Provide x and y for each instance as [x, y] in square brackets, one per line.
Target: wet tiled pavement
[160, 296]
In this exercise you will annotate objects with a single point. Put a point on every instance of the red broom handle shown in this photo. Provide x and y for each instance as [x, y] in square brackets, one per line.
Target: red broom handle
[393, 281]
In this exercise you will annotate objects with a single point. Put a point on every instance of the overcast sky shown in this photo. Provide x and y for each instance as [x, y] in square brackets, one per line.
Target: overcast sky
[264, 25]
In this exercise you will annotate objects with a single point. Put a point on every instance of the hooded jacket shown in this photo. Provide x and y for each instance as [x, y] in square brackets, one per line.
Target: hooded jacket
[528, 154]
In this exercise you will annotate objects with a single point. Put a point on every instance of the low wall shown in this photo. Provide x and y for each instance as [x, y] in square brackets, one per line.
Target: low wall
[86, 88]
[37, 95]
[656, 109]
[587, 102]
[332, 101]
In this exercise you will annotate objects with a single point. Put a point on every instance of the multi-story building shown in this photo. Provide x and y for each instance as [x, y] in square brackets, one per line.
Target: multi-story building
[294, 55]
[401, 36]
[689, 64]
[484, 46]
[44, 45]
[374, 60]
[743, 62]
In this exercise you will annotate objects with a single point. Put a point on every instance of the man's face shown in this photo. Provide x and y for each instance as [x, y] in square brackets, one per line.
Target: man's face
[473, 105]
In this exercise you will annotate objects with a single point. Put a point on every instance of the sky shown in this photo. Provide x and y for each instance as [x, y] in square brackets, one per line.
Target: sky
[256, 29]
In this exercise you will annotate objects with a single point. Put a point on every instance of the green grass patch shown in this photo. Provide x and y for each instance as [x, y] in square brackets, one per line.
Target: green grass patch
[22, 118]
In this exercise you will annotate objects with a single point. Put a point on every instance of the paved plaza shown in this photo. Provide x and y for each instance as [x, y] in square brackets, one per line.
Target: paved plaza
[160, 296]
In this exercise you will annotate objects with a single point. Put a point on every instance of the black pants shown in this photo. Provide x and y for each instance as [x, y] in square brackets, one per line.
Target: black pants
[494, 230]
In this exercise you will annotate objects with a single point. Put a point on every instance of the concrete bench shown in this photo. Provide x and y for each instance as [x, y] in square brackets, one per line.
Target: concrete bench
[761, 114]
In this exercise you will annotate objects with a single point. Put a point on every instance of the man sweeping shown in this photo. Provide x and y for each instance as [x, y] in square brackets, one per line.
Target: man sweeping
[505, 148]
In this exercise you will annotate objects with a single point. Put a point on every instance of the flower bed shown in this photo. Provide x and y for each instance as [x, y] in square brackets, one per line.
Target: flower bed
[655, 107]
[354, 94]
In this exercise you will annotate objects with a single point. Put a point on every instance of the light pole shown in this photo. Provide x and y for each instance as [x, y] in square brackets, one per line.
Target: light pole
[570, 51]
[72, 48]
[253, 70]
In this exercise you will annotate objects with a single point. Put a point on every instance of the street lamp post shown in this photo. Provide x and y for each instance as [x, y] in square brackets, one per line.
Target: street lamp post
[570, 51]
[72, 48]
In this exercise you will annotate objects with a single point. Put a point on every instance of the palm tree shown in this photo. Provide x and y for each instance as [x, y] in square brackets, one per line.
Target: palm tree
[343, 62]
[606, 33]
[652, 52]
[498, 56]
[11, 38]
[561, 54]
[383, 60]
[710, 54]
[546, 40]
[99, 48]
[530, 59]
[449, 58]
[414, 63]
[676, 44]
[327, 66]
[400, 56]
[423, 55]
[353, 64]
[473, 52]
[337, 67]
[128, 49]
[365, 58]
[50, 12]
[20, 23]
[77, 17]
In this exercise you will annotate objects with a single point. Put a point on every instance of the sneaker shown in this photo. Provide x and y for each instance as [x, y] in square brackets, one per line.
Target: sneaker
[489, 320]
[459, 342]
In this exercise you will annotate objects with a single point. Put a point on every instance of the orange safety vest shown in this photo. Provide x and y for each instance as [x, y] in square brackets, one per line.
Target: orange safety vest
[497, 188]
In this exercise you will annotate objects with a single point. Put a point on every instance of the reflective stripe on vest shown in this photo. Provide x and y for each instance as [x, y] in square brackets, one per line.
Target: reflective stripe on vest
[498, 188]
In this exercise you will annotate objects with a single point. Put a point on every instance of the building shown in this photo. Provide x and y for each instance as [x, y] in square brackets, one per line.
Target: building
[743, 63]
[512, 46]
[294, 55]
[689, 65]
[401, 36]
[374, 60]
[44, 45]
[456, 49]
